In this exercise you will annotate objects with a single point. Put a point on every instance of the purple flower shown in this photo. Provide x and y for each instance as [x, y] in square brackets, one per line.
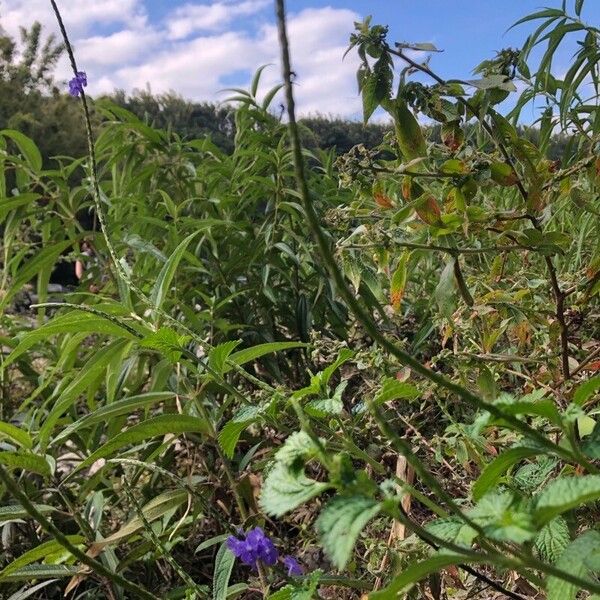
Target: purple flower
[252, 547]
[77, 84]
[293, 566]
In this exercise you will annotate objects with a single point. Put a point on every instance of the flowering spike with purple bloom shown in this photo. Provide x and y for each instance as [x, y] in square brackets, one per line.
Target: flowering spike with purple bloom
[77, 84]
[293, 566]
[252, 547]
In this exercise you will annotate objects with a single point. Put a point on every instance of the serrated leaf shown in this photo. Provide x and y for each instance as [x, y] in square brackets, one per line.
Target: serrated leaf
[157, 426]
[452, 529]
[37, 553]
[572, 560]
[392, 389]
[231, 431]
[552, 539]
[298, 446]
[153, 510]
[166, 341]
[376, 85]
[324, 407]
[223, 566]
[565, 493]
[340, 524]
[531, 475]
[286, 487]
[503, 517]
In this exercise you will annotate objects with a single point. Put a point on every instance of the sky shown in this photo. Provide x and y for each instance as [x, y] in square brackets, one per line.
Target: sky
[198, 48]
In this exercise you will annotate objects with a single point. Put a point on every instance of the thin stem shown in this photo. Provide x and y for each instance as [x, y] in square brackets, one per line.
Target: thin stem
[360, 313]
[48, 527]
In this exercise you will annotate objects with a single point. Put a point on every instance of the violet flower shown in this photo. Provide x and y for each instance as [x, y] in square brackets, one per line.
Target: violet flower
[252, 547]
[77, 84]
[293, 566]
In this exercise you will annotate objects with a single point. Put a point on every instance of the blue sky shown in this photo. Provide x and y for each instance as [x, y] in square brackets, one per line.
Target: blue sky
[198, 47]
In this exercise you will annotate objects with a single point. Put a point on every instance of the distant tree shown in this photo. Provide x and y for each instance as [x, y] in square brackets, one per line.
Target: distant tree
[188, 119]
[30, 100]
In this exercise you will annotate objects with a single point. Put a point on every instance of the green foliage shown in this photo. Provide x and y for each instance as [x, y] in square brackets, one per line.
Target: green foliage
[215, 366]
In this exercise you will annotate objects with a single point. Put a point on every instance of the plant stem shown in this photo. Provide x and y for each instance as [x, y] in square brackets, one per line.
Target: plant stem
[48, 527]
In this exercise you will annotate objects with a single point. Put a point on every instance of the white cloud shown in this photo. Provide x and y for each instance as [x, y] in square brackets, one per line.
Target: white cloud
[200, 49]
[191, 18]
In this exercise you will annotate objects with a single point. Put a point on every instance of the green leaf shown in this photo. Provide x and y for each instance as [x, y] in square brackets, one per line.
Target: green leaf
[340, 524]
[298, 446]
[376, 85]
[43, 259]
[585, 390]
[13, 512]
[566, 493]
[452, 529]
[23, 593]
[324, 407]
[27, 148]
[72, 322]
[16, 435]
[398, 281]
[416, 572]
[37, 553]
[155, 509]
[166, 341]
[165, 277]
[287, 487]
[250, 354]
[27, 461]
[344, 356]
[573, 561]
[392, 389]
[106, 413]
[13, 202]
[531, 475]
[503, 517]
[223, 566]
[591, 444]
[231, 431]
[445, 290]
[217, 357]
[552, 539]
[157, 426]
[213, 541]
[32, 572]
[492, 473]
[94, 368]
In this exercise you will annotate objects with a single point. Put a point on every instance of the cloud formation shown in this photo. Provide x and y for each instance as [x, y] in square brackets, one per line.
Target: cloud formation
[198, 49]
